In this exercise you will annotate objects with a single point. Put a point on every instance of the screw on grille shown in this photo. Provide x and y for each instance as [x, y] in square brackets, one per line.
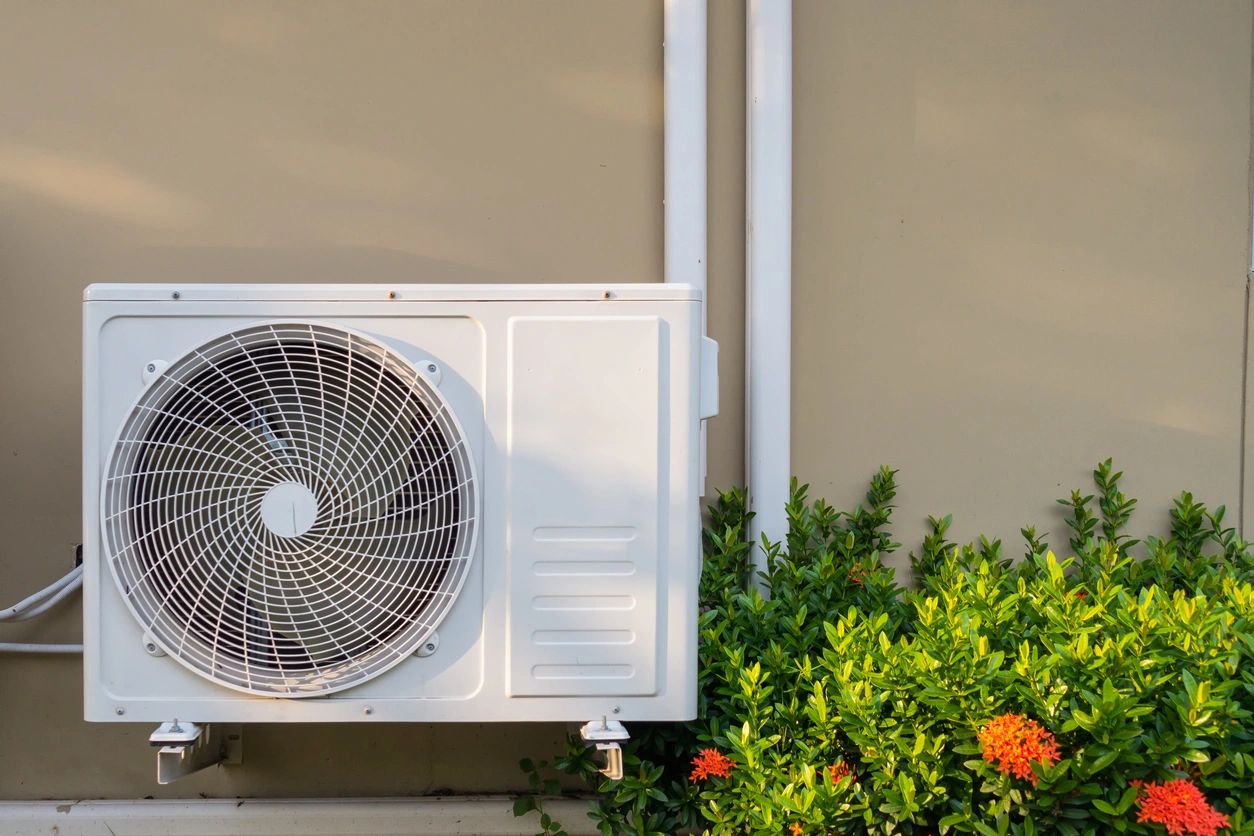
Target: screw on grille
[431, 645]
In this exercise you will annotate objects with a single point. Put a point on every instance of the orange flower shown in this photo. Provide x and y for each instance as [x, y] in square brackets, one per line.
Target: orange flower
[839, 770]
[857, 575]
[1013, 743]
[1179, 806]
[795, 830]
[709, 763]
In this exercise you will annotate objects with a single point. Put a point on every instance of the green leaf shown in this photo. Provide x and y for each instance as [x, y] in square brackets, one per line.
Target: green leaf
[1103, 761]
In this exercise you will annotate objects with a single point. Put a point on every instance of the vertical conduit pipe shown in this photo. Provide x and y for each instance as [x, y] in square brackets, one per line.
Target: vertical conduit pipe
[768, 265]
[684, 155]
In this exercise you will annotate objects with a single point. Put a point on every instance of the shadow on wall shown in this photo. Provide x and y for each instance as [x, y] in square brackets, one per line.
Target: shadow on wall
[464, 141]
[493, 143]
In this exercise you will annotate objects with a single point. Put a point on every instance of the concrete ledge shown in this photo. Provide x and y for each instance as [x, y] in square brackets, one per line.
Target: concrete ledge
[488, 815]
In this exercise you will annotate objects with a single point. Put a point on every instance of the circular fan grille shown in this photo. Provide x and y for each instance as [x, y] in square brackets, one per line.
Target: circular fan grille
[290, 509]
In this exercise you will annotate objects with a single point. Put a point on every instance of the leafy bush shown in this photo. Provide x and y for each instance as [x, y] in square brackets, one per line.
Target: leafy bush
[1109, 692]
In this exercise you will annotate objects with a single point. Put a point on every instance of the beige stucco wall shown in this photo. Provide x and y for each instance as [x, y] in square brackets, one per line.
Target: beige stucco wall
[1021, 245]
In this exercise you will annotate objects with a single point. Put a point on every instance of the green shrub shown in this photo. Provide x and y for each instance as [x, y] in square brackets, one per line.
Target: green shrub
[849, 704]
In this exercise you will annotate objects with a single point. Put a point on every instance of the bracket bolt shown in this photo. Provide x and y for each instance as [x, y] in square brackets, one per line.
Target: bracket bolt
[119, 711]
[176, 295]
[616, 709]
[367, 710]
[391, 294]
[431, 368]
[430, 646]
[152, 367]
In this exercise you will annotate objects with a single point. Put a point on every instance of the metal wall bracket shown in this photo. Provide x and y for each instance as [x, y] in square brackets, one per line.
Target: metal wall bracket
[605, 736]
[189, 747]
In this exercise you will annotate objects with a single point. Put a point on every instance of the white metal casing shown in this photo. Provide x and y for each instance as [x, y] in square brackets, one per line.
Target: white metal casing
[581, 405]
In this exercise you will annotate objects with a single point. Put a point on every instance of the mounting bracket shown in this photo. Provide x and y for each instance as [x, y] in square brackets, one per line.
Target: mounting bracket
[190, 747]
[605, 735]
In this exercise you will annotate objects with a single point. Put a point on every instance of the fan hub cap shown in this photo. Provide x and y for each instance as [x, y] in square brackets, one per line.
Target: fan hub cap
[289, 509]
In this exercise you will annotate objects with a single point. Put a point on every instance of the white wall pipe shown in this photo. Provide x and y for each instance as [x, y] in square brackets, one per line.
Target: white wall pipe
[684, 153]
[27, 647]
[768, 265]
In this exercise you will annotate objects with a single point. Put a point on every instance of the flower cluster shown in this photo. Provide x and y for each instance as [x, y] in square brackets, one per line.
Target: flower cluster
[1178, 806]
[1013, 743]
[710, 763]
[857, 575]
[839, 770]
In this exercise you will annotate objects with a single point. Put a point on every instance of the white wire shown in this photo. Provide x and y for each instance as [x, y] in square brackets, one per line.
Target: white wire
[66, 591]
[20, 647]
[41, 595]
[44, 598]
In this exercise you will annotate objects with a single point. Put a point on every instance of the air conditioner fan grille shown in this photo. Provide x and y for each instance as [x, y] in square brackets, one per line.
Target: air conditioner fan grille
[290, 509]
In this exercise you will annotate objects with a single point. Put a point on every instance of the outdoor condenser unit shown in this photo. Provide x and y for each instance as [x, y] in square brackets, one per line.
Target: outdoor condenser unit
[339, 503]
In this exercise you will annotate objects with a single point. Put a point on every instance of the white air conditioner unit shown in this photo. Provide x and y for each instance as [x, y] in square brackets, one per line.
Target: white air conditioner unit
[333, 503]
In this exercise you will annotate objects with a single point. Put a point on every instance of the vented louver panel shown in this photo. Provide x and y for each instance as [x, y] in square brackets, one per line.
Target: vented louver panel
[584, 591]
[290, 509]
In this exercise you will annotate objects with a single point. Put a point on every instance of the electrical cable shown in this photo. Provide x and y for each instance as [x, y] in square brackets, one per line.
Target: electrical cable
[36, 605]
[44, 598]
[49, 603]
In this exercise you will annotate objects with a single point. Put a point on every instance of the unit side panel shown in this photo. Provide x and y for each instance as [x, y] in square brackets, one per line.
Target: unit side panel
[586, 407]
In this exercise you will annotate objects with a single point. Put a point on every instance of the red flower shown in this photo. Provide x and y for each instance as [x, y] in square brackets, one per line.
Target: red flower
[1014, 743]
[1179, 806]
[857, 575]
[709, 763]
[839, 770]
